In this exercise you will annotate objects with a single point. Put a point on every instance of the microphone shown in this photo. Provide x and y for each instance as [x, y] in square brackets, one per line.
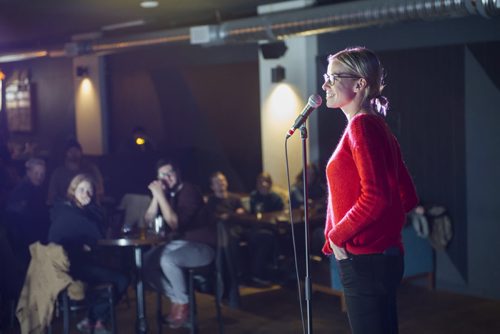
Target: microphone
[313, 103]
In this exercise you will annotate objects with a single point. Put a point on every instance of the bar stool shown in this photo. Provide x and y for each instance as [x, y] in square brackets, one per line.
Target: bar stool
[226, 267]
[193, 321]
[65, 305]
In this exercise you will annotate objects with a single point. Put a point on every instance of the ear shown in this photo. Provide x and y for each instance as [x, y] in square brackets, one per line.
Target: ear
[360, 84]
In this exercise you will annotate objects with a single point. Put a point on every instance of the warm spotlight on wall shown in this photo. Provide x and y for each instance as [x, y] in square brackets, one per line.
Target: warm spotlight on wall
[86, 87]
[82, 71]
[277, 74]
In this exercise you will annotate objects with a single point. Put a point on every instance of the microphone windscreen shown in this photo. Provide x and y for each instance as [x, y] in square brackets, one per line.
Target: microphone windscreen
[315, 100]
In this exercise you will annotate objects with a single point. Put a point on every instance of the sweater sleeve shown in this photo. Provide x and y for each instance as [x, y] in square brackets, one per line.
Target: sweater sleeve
[368, 146]
[328, 227]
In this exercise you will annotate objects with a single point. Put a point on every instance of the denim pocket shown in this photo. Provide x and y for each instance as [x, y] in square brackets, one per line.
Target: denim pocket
[358, 275]
[347, 273]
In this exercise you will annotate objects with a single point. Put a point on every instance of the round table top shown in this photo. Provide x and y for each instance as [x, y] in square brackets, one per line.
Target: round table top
[132, 241]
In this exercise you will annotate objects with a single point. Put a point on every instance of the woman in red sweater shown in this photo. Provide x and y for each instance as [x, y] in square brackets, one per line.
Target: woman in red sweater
[369, 193]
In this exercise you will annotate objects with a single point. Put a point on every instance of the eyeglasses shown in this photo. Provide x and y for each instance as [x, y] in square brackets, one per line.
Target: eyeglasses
[330, 79]
[166, 174]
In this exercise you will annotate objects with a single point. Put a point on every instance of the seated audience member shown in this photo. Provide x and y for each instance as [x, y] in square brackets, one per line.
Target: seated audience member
[261, 241]
[9, 176]
[74, 163]
[26, 213]
[316, 188]
[181, 206]
[221, 203]
[263, 198]
[12, 277]
[76, 225]
[26, 150]
[316, 200]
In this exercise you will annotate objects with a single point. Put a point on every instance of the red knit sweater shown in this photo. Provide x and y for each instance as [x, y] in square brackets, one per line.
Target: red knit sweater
[369, 189]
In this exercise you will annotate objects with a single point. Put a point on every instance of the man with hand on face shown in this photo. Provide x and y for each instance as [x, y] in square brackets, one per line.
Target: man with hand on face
[181, 206]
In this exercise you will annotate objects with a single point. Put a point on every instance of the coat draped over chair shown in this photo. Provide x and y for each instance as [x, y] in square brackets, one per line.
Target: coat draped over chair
[47, 276]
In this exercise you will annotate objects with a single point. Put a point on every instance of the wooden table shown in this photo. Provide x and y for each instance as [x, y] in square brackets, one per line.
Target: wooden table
[276, 219]
[138, 243]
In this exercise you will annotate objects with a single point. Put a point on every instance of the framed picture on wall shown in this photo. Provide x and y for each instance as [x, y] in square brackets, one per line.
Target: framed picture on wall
[19, 102]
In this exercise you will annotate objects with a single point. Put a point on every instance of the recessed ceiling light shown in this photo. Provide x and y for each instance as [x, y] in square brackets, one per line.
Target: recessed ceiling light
[149, 3]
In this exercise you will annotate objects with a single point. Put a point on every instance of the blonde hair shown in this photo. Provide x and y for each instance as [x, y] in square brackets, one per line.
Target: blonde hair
[79, 178]
[364, 63]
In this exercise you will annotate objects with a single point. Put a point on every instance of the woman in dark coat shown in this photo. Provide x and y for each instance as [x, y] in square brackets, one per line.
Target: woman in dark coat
[76, 225]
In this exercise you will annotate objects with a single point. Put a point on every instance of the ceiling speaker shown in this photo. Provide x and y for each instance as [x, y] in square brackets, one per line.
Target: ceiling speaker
[273, 50]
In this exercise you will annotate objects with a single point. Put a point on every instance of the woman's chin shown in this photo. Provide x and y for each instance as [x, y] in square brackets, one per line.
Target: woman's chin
[331, 105]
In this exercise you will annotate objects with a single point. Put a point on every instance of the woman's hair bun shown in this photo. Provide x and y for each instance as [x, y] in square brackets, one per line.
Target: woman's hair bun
[380, 104]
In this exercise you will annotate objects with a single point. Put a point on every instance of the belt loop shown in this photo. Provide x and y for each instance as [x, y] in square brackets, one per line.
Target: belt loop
[393, 251]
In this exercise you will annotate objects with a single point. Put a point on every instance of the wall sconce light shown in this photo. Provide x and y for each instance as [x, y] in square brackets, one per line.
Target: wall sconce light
[82, 71]
[277, 74]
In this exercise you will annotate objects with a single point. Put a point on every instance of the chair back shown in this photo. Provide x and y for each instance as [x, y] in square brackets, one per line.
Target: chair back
[134, 208]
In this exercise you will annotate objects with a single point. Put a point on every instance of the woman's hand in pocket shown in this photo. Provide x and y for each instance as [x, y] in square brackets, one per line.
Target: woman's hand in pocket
[339, 252]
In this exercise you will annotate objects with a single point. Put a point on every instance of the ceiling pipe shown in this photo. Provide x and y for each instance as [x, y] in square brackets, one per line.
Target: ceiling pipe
[30, 54]
[279, 26]
[180, 35]
[350, 15]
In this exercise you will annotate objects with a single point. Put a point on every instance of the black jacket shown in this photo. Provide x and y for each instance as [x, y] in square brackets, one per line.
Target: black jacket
[73, 227]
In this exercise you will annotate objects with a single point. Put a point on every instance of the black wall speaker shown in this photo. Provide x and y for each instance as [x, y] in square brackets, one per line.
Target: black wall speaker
[277, 74]
[82, 71]
[273, 50]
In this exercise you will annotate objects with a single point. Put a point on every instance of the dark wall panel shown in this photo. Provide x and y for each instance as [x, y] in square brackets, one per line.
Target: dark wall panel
[207, 113]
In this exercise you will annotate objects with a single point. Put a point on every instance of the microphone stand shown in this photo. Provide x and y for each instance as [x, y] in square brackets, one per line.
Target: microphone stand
[307, 281]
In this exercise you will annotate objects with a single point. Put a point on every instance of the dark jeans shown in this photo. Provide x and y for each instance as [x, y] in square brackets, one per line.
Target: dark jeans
[98, 308]
[370, 285]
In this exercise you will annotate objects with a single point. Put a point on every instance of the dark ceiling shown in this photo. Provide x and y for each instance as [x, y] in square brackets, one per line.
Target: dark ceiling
[31, 24]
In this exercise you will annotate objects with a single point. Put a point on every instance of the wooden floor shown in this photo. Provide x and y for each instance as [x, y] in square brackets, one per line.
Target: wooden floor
[276, 310]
